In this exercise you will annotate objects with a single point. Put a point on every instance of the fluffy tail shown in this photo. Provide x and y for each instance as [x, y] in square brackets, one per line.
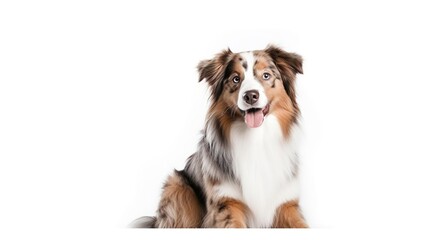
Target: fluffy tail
[143, 222]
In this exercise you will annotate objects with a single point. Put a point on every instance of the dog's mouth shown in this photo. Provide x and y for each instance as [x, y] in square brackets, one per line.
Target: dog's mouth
[254, 117]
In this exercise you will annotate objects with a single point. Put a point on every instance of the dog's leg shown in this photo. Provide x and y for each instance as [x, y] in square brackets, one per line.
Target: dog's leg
[289, 215]
[179, 206]
[226, 213]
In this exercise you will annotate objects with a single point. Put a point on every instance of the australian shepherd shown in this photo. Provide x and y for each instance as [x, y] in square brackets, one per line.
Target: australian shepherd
[245, 170]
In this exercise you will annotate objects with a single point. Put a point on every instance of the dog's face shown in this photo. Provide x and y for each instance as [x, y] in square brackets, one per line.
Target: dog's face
[252, 85]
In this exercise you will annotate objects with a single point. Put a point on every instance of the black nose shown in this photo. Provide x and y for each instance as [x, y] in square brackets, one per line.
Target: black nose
[251, 96]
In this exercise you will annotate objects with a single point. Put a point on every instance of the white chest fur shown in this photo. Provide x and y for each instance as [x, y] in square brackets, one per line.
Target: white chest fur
[264, 162]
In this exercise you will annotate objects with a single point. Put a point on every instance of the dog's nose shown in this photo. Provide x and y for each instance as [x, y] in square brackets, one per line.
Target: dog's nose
[251, 96]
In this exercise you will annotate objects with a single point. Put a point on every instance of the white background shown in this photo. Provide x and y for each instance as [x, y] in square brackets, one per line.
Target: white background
[99, 101]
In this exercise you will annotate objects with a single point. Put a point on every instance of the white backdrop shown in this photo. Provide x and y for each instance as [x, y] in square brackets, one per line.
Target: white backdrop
[99, 101]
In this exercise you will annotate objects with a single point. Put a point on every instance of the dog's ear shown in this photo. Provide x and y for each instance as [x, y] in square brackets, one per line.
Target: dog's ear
[288, 64]
[213, 70]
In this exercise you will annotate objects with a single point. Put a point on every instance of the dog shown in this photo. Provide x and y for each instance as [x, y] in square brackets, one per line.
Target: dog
[245, 170]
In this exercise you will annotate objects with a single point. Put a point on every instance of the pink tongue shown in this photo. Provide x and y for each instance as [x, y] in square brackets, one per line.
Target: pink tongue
[254, 119]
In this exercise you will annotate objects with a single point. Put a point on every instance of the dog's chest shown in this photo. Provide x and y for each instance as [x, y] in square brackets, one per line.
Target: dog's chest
[265, 163]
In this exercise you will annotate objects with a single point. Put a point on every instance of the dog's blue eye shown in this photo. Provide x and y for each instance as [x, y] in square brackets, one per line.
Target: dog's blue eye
[266, 76]
[236, 79]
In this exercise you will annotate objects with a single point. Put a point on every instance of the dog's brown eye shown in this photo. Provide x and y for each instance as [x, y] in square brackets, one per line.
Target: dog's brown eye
[236, 79]
[266, 76]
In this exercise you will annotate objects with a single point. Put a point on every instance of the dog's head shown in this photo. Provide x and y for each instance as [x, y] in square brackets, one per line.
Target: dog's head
[251, 85]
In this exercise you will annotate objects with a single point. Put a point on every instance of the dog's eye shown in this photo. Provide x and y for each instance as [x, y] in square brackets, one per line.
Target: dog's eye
[236, 79]
[266, 76]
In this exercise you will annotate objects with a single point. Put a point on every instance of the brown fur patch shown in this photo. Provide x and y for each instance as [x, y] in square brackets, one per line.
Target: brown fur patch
[225, 115]
[281, 104]
[289, 215]
[226, 213]
[236, 69]
[288, 65]
[179, 206]
[213, 70]
[225, 109]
